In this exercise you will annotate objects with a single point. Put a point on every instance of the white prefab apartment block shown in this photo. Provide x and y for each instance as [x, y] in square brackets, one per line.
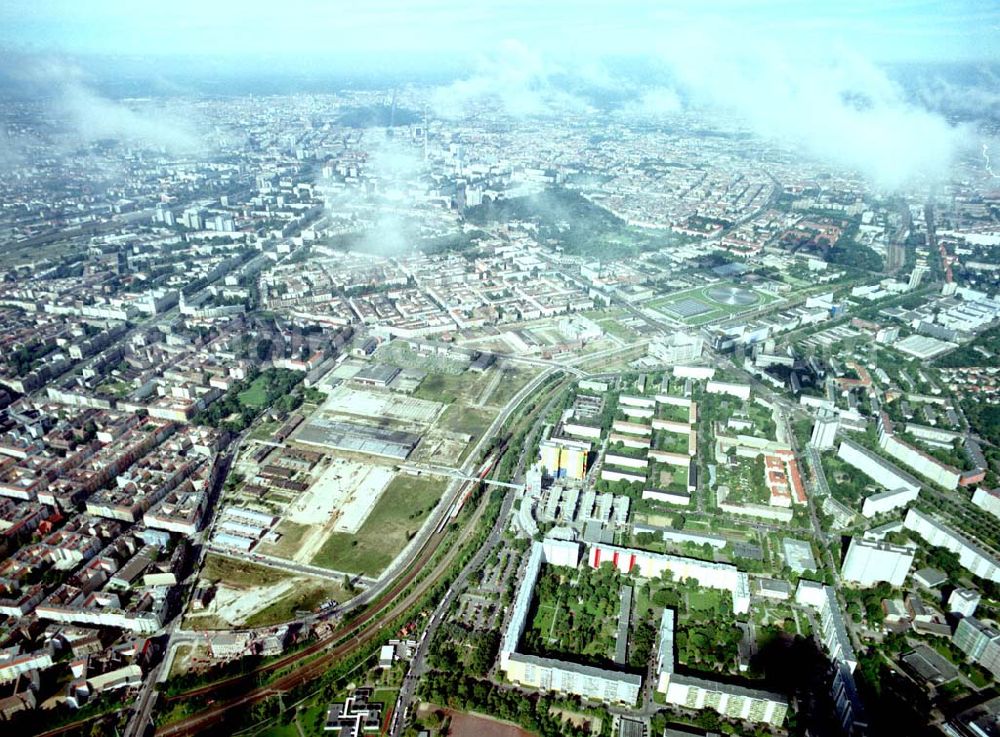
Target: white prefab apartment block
[735, 702]
[561, 552]
[694, 372]
[834, 633]
[924, 464]
[561, 676]
[886, 501]
[878, 469]
[987, 499]
[964, 602]
[972, 557]
[614, 686]
[740, 391]
[871, 561]
[651, 565]
[699, 693]
[980, 642]
[824, 432]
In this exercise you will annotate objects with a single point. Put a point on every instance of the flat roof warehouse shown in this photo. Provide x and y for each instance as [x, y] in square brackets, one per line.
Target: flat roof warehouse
[351, 436]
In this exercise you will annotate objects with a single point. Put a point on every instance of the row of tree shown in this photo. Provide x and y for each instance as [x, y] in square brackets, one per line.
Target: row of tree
[457, 690]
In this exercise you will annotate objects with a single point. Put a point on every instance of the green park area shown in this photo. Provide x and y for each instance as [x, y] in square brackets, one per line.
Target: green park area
[706, 637]
[981, 351]
[574, 614]
[763, 421]
[668, 477]
[673, 412]
[395, 519]
[247, 399]
[717, 408]
[847, 484]
[745, 479]
[256, 394]
[670, 442]
[570, 220]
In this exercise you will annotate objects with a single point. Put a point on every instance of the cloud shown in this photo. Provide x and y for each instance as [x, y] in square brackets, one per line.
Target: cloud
[396, 167]
[514, 79]
[88, 116]
[828, 101]
[653, 103]
[974, 98]
[93, 118]
[835, 104]
[383, 215]
[392, 160]
[10, 151]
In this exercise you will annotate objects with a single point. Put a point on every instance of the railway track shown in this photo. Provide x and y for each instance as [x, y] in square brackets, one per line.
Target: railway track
[347, 639]
[354, 633]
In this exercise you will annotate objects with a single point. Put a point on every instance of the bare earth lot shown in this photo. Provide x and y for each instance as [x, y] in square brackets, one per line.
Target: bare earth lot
[475, 725]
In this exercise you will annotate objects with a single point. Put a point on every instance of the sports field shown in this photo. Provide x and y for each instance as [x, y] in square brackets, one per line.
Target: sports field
[701, 305]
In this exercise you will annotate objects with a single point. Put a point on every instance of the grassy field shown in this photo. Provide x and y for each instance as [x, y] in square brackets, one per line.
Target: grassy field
[206, 622]
[399, 513]
[385, 696]
[513, 381]
[239, 573]
[281, 730]
[263, 430]
[312, 715]
[704, 600]
[118, 388]
[256, 394]
[448, 388]
[291, 537]
[670, 442]
[174, 712]
[610, 321]
[468, 420]
[672, 412]
[670, 477]
[177, 666]
[613, 326]
[847, 485]
[309, 716]
[306, 597]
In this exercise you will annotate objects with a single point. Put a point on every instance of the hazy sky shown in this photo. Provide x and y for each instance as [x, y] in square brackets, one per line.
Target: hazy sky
[883, 30]
[807, 73]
